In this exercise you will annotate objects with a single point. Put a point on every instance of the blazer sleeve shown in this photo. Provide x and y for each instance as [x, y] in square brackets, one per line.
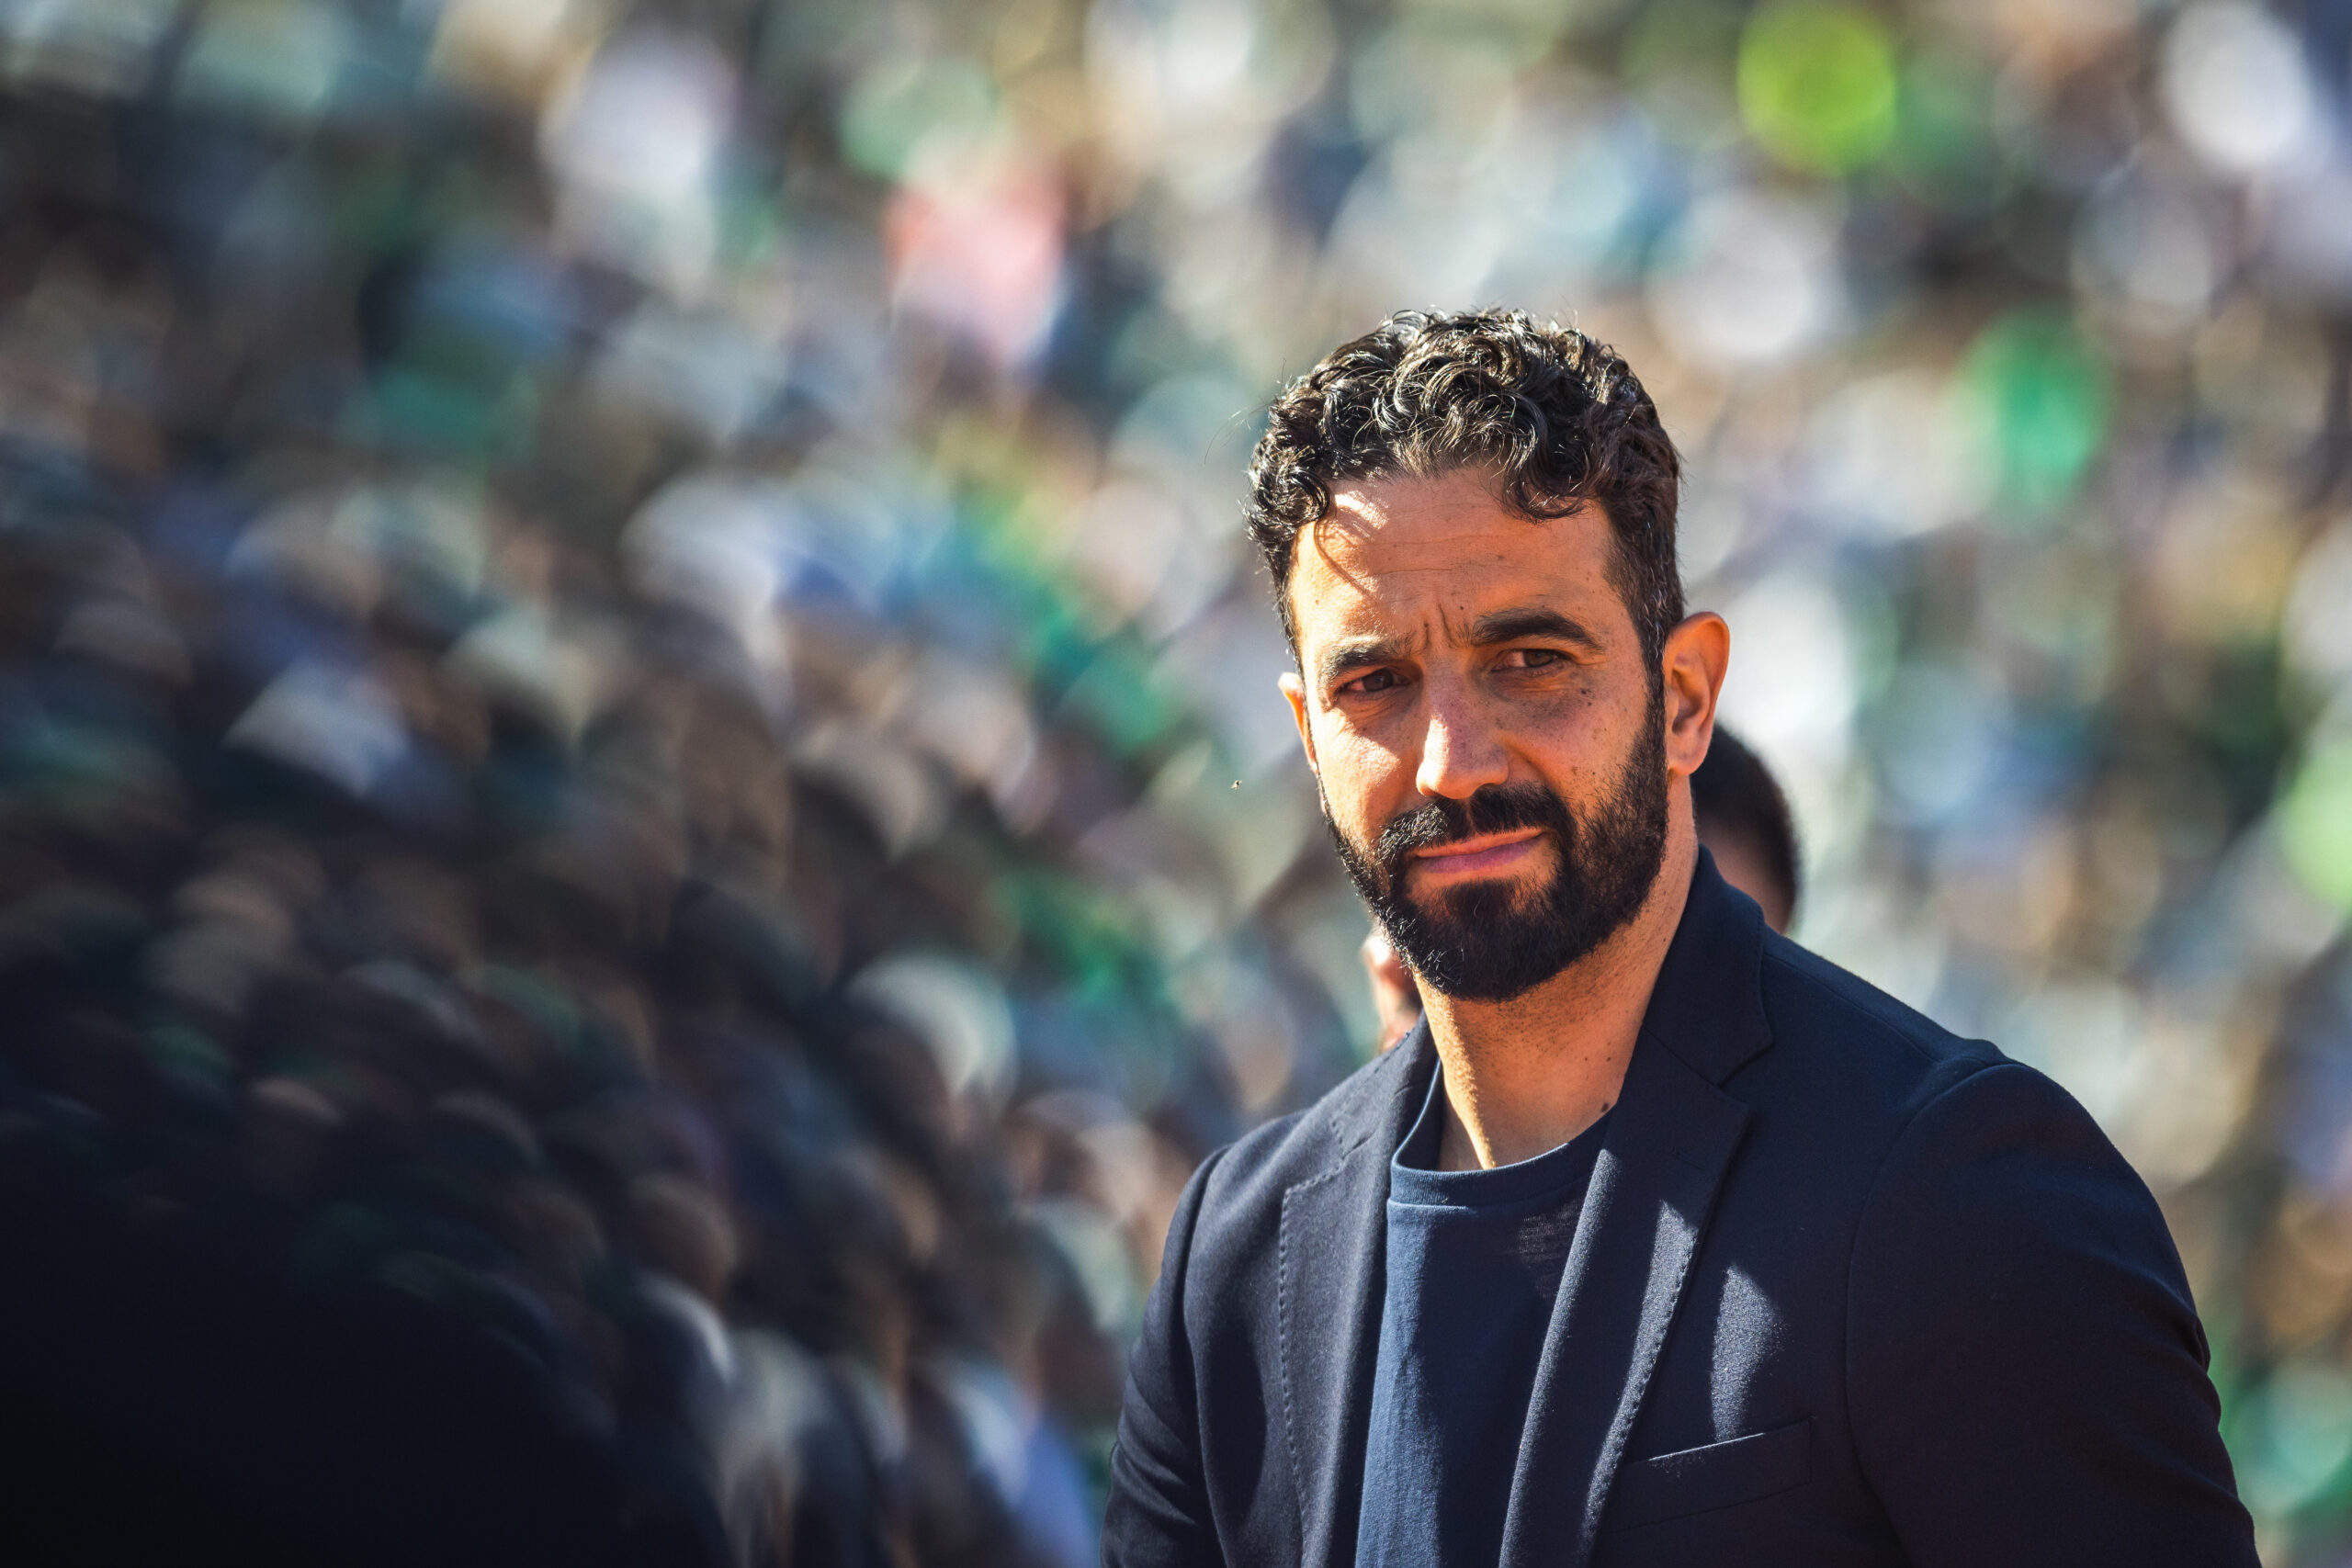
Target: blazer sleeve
[2027, 1374]
[1157, 1513]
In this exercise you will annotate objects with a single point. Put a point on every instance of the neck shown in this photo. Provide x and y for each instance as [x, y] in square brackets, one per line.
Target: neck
[1527, 1075]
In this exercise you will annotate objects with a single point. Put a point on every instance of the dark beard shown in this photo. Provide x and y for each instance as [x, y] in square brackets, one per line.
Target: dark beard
[1491, 940]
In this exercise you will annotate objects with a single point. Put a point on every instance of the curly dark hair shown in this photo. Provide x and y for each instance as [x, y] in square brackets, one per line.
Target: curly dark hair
[1558, 419]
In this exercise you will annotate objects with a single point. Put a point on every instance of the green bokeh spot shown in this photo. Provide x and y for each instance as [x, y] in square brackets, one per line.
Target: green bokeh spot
[893, 110]
[2043, 396]
[1942, 152]
[1818, 84]
[2315, 823]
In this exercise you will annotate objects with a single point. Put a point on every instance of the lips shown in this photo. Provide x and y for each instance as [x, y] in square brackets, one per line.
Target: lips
[1483, 855]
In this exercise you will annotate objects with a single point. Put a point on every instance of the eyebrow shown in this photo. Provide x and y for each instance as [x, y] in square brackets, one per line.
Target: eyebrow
[1509, 626]
[1344, 659]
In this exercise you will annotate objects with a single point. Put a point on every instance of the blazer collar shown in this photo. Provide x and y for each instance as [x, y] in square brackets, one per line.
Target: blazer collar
[1661, 1169]
[1707, 1005]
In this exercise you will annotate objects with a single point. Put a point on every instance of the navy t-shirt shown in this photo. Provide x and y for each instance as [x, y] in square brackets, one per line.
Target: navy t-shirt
[1475, 1260]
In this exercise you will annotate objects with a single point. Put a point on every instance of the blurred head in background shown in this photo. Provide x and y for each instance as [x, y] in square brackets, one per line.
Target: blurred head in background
[1470, 522]
[1743, 818]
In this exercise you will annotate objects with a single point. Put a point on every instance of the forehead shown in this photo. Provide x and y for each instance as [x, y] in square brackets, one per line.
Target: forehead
[1402, 552]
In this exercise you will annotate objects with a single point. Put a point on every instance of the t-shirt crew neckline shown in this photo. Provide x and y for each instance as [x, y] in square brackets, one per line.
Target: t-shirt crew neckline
[1414, 1178]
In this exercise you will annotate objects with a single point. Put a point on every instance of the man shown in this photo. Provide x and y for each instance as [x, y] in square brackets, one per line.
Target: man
[1742, 820]
[1660, 1240]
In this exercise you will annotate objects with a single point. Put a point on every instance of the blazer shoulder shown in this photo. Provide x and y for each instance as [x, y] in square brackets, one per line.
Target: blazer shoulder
[1836, 1017]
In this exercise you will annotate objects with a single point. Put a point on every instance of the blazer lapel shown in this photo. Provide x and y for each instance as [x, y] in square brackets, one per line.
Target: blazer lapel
[1669, 1143]
[1651, 1194]
[1334, 1233]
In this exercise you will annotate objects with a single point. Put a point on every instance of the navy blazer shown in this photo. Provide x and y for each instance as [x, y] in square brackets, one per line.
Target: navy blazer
[1847, 1290]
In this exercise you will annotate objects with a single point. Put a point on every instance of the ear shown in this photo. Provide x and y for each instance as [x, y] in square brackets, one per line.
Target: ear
[1294, 693]
[1696, 654]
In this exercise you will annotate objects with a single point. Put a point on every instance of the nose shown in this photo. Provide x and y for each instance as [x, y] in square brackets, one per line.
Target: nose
[1460, 753]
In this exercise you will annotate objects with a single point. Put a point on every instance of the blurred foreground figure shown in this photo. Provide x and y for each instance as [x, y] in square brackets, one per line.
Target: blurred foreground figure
[1742, 820]
[1660, 1240]
[439, 1128]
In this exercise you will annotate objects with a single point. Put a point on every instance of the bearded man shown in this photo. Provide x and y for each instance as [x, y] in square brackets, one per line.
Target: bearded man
[1660, 1240]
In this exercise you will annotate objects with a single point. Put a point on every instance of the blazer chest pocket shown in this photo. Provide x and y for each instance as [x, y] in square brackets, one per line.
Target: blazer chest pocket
[1719, 1475]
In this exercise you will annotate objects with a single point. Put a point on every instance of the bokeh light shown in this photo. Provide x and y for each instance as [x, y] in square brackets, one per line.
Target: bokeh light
[1817, 83]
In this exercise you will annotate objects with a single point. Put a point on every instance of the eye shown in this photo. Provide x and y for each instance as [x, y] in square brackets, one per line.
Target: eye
[1371, 683]
[1532, 659]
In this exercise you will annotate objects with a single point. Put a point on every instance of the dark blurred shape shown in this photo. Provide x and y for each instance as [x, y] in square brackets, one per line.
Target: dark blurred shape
[1744, 821]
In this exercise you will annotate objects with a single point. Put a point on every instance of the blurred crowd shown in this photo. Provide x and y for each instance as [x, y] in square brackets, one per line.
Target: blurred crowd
[643, 819]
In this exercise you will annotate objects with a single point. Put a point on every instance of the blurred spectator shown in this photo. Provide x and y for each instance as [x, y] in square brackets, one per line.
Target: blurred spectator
[1744, 822]
[1395, 993]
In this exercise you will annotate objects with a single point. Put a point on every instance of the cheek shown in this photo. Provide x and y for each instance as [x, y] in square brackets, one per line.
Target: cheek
[1577, 704]
[1579, 734]
[1359, 774]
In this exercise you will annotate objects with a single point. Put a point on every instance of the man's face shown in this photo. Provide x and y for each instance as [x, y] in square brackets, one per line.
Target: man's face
[1484, 728]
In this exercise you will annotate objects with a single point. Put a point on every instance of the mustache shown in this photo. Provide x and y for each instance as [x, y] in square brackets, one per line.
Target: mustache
[1496, 808]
